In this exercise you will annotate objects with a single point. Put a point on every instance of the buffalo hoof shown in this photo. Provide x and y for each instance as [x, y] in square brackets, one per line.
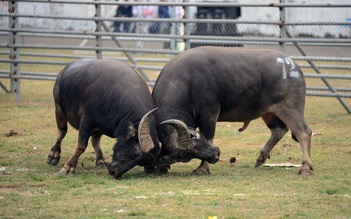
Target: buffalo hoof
[53, 160]
[259, 163]
[305, 170]
[201, 171]
[261, 159]
[67, 170]
[162, 170]
[100, 163]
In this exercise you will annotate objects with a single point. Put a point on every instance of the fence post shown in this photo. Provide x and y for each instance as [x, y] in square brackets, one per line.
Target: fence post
[173, 28]
[15, 81]
[282, 18]
[98, 28]
[186, 27]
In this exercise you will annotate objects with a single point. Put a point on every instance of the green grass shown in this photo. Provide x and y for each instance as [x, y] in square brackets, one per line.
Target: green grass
[29, 188]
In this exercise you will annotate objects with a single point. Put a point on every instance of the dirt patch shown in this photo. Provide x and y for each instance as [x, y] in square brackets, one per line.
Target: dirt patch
[12, 132]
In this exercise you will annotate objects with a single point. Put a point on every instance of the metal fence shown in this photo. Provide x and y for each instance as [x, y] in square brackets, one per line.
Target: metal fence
[35, 46]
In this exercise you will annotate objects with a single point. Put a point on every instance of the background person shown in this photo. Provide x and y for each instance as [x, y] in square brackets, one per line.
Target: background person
[123, 11]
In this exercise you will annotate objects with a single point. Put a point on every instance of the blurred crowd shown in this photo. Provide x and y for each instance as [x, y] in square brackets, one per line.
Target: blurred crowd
[143, 12]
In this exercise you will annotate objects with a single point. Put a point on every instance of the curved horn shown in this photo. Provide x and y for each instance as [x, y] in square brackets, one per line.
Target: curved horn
[145, 140]
[183, 132]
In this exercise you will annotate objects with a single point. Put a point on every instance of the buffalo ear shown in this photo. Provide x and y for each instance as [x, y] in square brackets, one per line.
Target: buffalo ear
[130, 131]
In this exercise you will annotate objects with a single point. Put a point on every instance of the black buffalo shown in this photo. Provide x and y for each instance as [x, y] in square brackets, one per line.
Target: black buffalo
[208, 84]
[105, 97]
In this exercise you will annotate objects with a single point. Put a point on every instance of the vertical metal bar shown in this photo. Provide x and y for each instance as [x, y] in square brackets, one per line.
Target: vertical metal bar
[282, 18]
[173, 27]
[15, 82]
[186, 27]
[98, 28]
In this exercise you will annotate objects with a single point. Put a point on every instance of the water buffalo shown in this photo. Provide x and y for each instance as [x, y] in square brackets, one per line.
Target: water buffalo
[105, 97]
[204, 85]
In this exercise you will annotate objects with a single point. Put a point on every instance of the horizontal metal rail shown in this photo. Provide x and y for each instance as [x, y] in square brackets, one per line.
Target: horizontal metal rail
[164, 38]
[90, 37]
[184, 37]
[174, 20]
[339, 67]
[200, 4]
[41, 76]
[137, 39]
[93, 48]
[325, 59]
[320, 94]
[146, 67]
[331, 76]
[164, 60]
[46, 55]
[339, 89]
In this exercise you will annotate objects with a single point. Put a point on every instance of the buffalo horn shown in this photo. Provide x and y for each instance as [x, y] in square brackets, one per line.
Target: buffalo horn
[182, 130]
[145, 139]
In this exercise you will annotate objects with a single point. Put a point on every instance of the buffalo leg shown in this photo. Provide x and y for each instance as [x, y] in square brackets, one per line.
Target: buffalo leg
[208, 128]
[204, 167]
[95, 141]
[303, 134]
[55, 152]
[278, 130]
[296, 123]
[81, 145]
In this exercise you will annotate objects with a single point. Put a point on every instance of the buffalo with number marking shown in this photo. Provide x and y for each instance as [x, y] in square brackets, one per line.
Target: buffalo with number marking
[208, 84]
[105, 97]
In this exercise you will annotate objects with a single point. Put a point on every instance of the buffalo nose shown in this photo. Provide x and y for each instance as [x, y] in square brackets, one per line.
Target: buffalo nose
[217, 158]
[218, 155]
[218, 151]
[111, 172]
[118, 176]
[111, 169]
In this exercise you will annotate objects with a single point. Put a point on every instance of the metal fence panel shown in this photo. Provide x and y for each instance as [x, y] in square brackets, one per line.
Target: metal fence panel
[38, 37]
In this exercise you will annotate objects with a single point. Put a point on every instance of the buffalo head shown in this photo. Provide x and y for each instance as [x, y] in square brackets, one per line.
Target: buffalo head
[188, 143]
[139, 147]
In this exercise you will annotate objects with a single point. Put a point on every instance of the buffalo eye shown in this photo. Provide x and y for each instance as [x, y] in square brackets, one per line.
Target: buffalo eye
[136, 154]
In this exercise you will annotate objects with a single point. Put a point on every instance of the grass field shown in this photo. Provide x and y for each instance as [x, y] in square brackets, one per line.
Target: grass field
[29, 188]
